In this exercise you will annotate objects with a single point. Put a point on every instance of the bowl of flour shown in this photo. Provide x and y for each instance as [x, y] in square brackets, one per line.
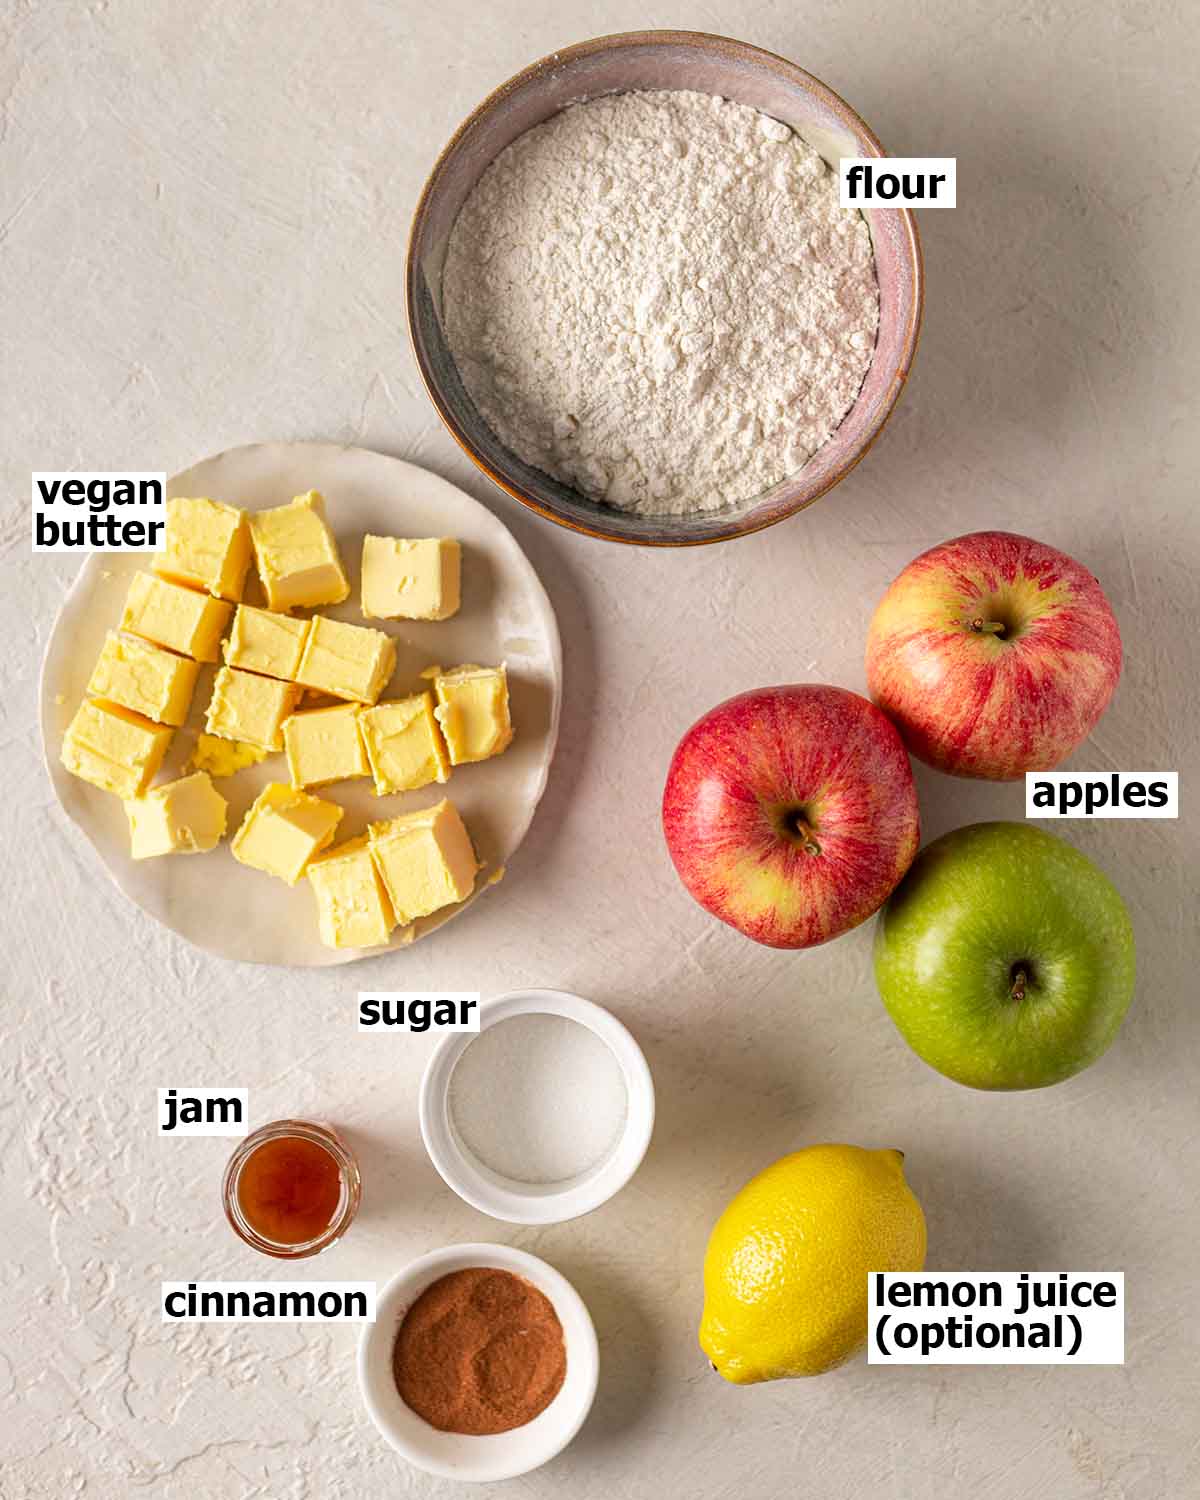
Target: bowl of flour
[636, 301]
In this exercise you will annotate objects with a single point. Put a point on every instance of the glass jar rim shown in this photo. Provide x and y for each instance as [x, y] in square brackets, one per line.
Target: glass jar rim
[348, 1200]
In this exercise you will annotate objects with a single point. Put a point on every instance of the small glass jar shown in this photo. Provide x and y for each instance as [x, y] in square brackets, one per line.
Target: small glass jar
[288, 1190]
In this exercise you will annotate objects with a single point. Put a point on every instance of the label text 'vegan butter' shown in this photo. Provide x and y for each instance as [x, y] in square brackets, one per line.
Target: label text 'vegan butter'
[97, 512]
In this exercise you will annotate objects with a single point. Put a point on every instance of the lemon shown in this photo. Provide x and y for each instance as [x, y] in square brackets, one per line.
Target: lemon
[785, 1274]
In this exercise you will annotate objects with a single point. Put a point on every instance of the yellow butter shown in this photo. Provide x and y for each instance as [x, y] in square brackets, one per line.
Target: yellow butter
[324, 745]
[347, 661]
[265, 642]
[152, 682]
[411, 579]
[114, 749]
[404, 744]
[183, 817]
[247, 707]
[426, 860]
[181, 619]
[473, 712]
[224, 757]
[353, 909]
[297, 556]
[206, 546]
[283, 829]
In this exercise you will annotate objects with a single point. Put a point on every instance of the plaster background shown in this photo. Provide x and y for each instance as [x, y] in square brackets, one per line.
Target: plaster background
[202, 220]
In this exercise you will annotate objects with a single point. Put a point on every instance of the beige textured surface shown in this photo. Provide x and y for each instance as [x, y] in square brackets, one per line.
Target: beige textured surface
[202, 218]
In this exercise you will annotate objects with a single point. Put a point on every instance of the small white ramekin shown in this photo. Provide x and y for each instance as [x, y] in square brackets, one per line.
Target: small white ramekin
[537, 1203]
[452, 1455]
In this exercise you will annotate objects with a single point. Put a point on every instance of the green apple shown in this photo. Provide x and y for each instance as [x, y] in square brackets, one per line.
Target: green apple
[1005, 957]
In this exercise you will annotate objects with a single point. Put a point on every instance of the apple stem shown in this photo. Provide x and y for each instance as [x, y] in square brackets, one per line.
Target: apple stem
[808, 840]
[1020, 979]
[987, 627]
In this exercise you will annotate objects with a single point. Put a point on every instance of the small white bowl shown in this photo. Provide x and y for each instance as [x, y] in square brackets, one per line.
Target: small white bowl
[525, 1202]
[452, 1455]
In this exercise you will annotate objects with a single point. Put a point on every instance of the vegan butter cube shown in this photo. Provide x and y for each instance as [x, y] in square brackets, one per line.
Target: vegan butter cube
[207, 546]
[283, 830]
[410, 580]
[114, 749]
[268, 643]
[296, 554]
[473, 712]
[324, 745]
[179, 619]
[224, 757]
[347, 661]
[353, 909]
[152, 682]
[247, 707]
[184, 817]
[426, 860]
[404, 744]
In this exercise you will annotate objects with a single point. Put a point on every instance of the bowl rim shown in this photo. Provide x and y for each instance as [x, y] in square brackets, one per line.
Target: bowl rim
[703, 41]
[502, 1199]
[583, 1350]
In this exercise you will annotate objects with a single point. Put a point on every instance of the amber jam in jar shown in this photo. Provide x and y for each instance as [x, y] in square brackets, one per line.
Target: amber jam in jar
[291, 1189]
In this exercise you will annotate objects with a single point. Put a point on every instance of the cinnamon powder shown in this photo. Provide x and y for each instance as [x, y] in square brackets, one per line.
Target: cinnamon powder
[479, 1352]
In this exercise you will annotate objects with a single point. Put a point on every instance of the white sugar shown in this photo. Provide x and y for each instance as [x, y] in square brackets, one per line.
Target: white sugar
[538, 1098]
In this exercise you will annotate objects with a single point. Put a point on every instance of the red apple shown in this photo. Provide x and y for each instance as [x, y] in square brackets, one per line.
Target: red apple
[790, 813]
[994, 654]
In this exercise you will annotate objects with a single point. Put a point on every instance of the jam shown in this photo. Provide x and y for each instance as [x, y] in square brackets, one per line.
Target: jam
[291, 1188]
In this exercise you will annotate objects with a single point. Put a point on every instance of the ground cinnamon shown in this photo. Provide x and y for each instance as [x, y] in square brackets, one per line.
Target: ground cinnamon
[480, 1351]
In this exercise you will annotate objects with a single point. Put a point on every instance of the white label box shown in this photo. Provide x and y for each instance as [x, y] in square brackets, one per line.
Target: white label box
[996, 1318]
[268, 1302]
[97, 512]
[418, 1011]
[203, 1111]
[1102, 794]
[898, 181]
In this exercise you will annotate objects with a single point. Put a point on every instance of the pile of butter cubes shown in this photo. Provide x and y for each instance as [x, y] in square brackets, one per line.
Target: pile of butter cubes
[272, 665]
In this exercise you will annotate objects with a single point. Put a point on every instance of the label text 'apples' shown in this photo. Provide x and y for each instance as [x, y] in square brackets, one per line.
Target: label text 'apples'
[1102, 794]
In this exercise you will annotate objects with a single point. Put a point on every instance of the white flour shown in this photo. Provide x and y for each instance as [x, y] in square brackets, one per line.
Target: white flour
[656, 298]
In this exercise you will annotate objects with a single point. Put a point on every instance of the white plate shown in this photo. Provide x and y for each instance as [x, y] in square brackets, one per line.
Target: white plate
[212, 900]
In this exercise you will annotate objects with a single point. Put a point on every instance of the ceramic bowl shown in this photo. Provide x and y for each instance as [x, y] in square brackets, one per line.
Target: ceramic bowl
[525, 1202]
[661, 60]
[452, 1455]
